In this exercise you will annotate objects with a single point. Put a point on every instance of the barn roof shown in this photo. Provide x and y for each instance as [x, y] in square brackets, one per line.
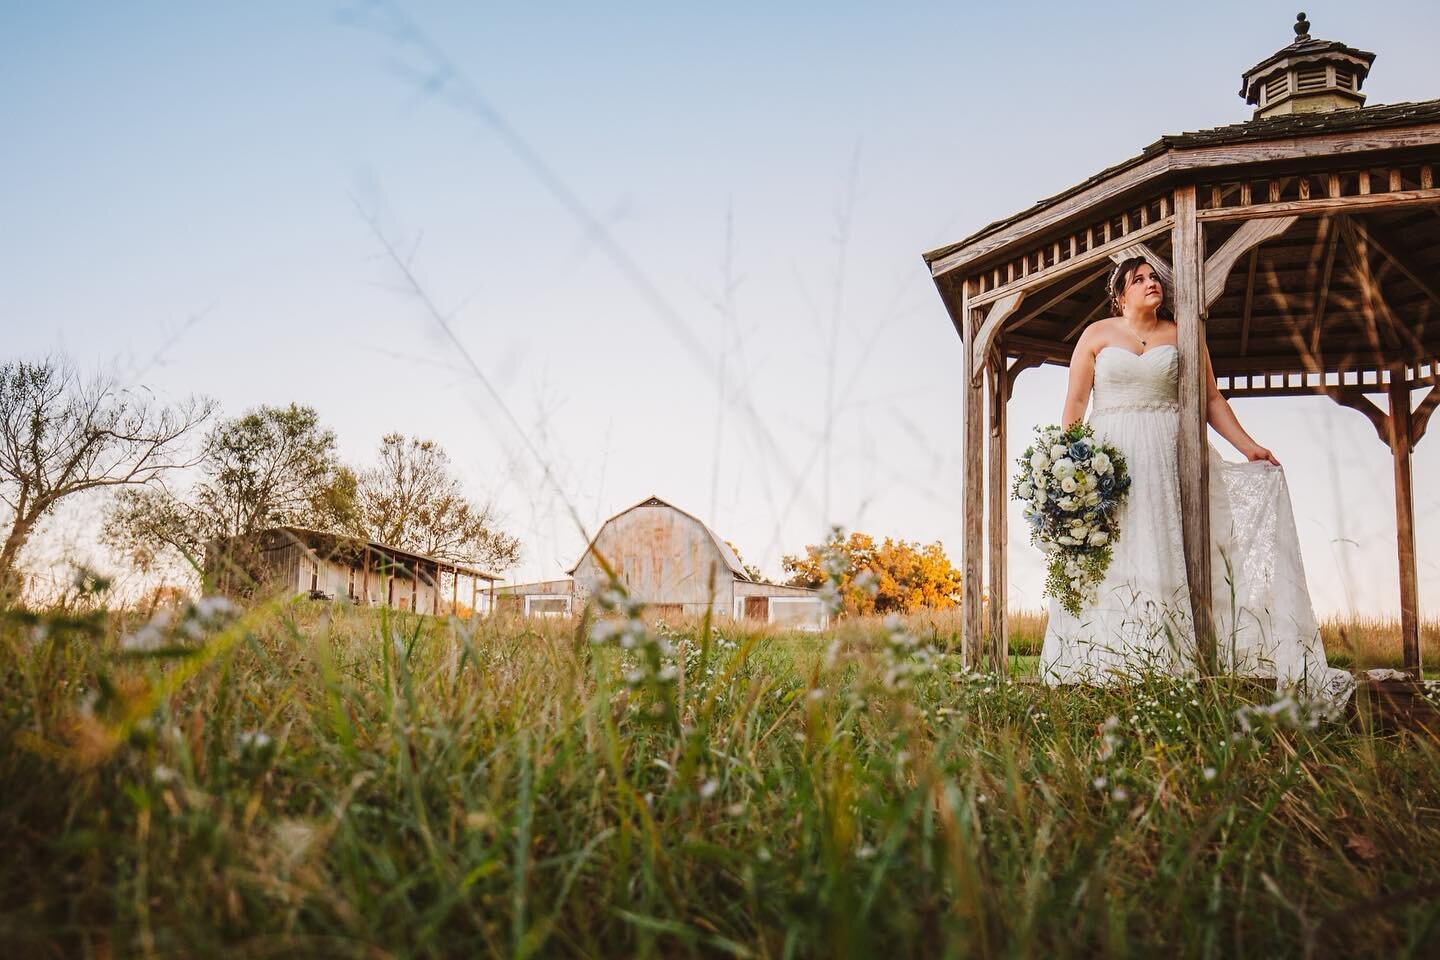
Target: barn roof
[726, 553]
[311, 536]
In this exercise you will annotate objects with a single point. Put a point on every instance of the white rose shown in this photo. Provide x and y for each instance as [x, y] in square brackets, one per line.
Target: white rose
[1026, 490]
[1064, 467]
[1098, 538]
[1100, 463]
[1079, 531]
[1038, 460]
[1067, 541]
[1091, 499]
[1068, 484]
[1067, 503]
[1040, 495]
[1057, 451]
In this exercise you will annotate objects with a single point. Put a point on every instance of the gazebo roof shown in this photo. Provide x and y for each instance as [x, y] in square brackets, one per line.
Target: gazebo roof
[1287, 127]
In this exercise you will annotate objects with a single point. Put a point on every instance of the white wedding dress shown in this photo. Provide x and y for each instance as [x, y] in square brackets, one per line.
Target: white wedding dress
[1141, 620]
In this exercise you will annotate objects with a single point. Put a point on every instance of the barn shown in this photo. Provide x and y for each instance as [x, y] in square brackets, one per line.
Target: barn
[331, 566]
[673, 563]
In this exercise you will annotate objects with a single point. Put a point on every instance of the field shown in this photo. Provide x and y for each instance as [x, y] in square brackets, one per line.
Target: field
[297, 779]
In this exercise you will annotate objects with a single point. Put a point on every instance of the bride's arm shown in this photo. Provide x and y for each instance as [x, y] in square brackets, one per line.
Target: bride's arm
[1223, 419]
[1082, 378]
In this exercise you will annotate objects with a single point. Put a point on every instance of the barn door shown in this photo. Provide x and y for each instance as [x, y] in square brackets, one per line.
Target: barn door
[757, 608]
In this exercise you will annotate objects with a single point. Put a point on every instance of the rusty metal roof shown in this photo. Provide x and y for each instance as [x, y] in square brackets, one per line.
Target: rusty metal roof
[726, 554]
[1250, 131]
[312, 536]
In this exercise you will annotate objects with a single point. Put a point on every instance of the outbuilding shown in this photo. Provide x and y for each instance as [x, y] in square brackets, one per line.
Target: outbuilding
[673, 563]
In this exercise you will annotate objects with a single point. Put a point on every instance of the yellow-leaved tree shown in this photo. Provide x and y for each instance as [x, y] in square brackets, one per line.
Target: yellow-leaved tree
[895, 576]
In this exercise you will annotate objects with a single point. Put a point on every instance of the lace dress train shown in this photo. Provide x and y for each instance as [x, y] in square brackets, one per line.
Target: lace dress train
[1141, 619]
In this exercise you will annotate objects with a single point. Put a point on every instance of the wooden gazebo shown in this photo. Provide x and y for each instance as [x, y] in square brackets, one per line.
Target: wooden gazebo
[1303, 246]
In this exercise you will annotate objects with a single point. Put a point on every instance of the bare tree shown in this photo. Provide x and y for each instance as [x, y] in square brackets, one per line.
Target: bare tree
[62, 433]
[268, 467]
[411, 499]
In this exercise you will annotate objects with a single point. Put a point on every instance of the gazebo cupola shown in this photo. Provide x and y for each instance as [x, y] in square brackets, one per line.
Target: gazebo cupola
[1308, 76]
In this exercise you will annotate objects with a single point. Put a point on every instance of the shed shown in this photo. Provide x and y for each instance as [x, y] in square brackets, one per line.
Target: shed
[330, 566]
[1301, 246]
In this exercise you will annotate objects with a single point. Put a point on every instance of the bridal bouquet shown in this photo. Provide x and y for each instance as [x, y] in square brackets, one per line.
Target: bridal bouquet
[1072, 486]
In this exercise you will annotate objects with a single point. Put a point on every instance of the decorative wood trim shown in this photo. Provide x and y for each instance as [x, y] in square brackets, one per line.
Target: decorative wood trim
[1020, 365]
[1247, 239]
[994, 318]
[1322, 297]
[1420, 418]
[1189, 257]
[1357, 400]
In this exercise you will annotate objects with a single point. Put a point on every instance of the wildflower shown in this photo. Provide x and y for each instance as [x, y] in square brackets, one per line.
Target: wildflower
[1100, 783]
[253, 740]
[1208, 773]
[708, 788]
[164, 774]
[1120, 795]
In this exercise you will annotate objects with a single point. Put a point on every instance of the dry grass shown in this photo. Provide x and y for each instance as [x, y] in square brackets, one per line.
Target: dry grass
[309, 780]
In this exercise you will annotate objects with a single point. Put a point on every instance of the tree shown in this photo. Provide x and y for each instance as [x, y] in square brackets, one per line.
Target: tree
[272, 466]
[62, 434]
[897, 576]
[753, 572]
[411, 498]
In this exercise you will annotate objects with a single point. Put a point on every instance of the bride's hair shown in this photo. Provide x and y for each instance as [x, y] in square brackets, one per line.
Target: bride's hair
[1116, 283]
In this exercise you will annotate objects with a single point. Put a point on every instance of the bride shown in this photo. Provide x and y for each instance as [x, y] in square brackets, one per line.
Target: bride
[1128, 366]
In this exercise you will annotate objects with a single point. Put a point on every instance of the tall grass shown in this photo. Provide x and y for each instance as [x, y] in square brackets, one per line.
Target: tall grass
[314, 780]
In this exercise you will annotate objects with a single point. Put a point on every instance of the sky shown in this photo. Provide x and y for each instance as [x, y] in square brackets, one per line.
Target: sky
[668, 249]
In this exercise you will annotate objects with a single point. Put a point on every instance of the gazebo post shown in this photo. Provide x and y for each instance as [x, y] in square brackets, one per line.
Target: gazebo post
[1188, 256]
[999, 476]
[973, 453]
[1401, 441]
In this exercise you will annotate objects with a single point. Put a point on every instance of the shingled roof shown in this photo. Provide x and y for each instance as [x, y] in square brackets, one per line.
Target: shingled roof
[1269, 128]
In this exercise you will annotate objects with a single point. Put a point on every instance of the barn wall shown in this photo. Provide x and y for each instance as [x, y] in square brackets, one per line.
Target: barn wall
[663, 557]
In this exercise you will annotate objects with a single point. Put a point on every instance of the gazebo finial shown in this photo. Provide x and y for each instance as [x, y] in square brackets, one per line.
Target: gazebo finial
[1302, 27]
[1307, 76]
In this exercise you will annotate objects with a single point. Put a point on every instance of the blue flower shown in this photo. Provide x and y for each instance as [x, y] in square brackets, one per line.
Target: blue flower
[1107, 483]
[1080, 449]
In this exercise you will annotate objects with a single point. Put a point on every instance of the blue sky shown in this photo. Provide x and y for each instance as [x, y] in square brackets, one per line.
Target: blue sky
[182, 187]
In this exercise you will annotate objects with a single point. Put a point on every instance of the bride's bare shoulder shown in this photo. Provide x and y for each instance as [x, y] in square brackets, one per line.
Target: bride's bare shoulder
[1095, 336]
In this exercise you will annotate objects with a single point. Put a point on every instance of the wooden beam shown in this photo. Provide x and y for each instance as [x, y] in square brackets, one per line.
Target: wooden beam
[1100, 254]
[1322, 296]
[1157, 263]
[1249, 302]
[973, 460]
[1189, 254]
[1247, 239]
[1354, 204]
[1355, 399]
[999, 649]
[1021, 364]
[1065, 294]
[985, 337]
[1400, 445]
[1388, 249]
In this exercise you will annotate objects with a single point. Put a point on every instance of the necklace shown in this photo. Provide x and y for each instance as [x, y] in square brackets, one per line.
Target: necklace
[1143, 341]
